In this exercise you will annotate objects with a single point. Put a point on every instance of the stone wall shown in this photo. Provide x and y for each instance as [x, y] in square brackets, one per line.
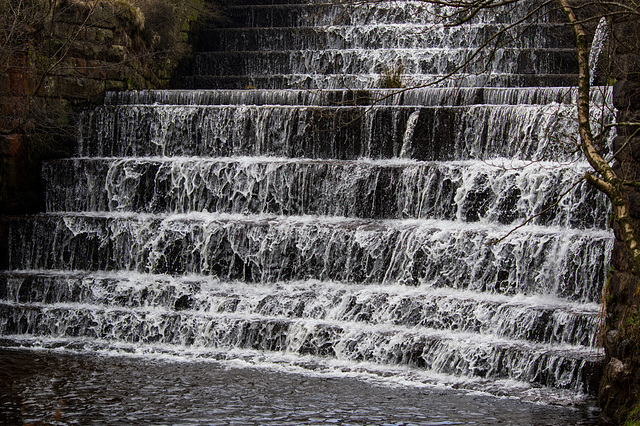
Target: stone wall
[620, 387]
[103, 48]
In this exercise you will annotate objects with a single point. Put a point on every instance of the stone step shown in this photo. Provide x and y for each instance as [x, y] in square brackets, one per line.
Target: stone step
[451, 353]
[274, 2]
[439, 61]
[536, 319]
[370, 81]
[427, 96]
[483, 132]
[379, 12]
[387, 36]
[506, 193]
[529, 260]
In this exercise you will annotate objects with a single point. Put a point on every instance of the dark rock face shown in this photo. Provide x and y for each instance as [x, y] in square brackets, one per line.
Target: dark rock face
[626, 95]
[619, 393]
[107, 50]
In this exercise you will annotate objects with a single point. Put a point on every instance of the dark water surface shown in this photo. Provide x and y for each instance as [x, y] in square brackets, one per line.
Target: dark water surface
[39, 386]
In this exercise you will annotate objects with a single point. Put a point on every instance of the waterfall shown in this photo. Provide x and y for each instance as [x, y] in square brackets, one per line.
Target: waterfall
[599, 44]
[281, 209]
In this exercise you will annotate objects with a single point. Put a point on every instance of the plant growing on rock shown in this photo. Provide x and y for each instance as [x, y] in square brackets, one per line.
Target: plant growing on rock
[391, 77]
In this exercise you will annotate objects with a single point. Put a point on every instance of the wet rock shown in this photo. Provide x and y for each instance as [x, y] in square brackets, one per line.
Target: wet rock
[183, 302]
[626, 94]
[612, 338]
[616, 370]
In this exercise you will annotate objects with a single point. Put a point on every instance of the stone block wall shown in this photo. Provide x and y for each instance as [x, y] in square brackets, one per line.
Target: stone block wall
[102, 48]
[619, 394]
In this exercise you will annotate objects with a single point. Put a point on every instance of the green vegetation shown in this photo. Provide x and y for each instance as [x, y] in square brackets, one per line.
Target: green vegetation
[391, 78]
[633, 418]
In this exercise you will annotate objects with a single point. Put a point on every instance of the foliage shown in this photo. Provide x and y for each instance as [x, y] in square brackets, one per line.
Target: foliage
[391, 78]
[633, 418]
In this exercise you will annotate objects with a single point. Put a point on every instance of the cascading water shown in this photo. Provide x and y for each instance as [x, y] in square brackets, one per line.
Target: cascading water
[353, 230]
[598, 46]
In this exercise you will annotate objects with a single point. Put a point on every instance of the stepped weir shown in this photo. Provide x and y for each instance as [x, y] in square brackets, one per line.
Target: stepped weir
[282, 208]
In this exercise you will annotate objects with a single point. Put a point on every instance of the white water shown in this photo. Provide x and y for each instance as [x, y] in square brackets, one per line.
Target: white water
[529, 132]
[475, 190]
[538, 260]
[598, 46]
[382, 36]
[438, 61]
[413, 97]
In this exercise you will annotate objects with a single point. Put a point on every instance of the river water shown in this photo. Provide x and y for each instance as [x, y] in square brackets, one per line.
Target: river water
[65, 388]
